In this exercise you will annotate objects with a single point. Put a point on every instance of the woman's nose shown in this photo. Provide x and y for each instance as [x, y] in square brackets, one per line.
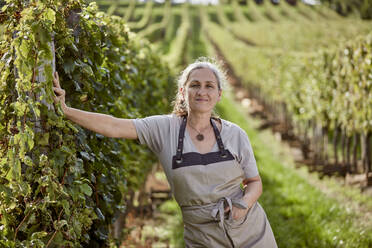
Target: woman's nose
[201, 90]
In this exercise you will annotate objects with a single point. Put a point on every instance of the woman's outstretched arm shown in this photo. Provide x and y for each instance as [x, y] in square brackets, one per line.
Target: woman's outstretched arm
[106, 125]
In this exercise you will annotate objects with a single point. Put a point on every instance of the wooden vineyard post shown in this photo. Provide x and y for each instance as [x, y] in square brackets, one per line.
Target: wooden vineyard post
[306, 141]
[321, 144]
[363, 142]
[335, 141]
[348, 145]
[354, 148]
[368, 159]
[325, 143]
[314, 145]
[343, 146]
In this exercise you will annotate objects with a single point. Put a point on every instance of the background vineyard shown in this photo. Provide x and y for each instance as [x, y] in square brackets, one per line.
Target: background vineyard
[306, 70]
[282, 60]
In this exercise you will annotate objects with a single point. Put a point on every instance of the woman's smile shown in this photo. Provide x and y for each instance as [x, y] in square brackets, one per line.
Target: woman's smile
[202, 100]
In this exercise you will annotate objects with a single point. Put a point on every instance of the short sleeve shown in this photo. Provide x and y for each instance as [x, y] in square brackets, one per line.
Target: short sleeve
[247, 159]
[152, 131]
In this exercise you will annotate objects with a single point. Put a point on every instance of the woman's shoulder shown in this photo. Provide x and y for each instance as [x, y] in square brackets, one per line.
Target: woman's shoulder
[161, 120]
[162, 117]
[232, 127]
[232, 131]
[162, 123]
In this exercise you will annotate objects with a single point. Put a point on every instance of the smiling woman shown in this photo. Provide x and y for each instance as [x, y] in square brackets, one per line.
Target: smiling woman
[206, 160]
[202, 92]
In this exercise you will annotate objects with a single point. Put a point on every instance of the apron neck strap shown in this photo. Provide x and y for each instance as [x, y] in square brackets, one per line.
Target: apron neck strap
[181, 136]
[221, 147]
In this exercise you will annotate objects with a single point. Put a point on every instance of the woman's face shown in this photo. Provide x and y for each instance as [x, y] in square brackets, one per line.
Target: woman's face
[201, 91]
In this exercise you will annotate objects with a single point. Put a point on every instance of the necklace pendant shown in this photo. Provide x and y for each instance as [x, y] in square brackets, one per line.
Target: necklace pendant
[200, 137]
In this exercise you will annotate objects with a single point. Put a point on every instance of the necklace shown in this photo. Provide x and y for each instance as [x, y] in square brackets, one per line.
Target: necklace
[199, 136]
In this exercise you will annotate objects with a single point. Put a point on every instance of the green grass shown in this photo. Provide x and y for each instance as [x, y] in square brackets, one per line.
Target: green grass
[159, 21]
[213, 16]
[129, 10]
[229, 12]
[178, 47]
[145, 17]
[195, 44]
[269, 11]
[170, 32]
[155, 30]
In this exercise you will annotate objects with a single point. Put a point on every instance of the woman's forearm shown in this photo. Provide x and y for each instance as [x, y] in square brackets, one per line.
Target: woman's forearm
[106, 125]
[252, 191]
[95, 122]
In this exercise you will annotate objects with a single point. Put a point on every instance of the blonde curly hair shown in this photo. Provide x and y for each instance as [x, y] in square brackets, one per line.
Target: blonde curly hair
[180, 107]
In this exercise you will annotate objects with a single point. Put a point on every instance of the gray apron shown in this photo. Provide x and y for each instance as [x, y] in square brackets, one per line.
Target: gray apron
[204, 184]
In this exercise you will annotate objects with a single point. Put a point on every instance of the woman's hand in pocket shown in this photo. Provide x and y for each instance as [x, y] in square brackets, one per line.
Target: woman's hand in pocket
[237, 213]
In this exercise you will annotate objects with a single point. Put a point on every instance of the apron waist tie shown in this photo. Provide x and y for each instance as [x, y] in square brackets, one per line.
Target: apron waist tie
[218, 212]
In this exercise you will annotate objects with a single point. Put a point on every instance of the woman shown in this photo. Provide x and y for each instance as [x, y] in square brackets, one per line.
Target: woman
[205, 159]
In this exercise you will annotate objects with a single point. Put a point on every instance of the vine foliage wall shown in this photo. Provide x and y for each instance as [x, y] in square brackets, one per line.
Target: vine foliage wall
[330, 93]
[61, 185]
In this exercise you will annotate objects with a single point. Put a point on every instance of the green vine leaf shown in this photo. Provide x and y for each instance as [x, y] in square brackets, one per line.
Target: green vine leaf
[86, 189]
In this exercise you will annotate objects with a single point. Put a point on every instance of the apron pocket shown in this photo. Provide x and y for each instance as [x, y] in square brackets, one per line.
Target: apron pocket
[255, 231]
[237, 223]
[232, 223]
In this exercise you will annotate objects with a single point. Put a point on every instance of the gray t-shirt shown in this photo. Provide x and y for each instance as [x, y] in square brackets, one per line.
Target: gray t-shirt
[160, 134]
